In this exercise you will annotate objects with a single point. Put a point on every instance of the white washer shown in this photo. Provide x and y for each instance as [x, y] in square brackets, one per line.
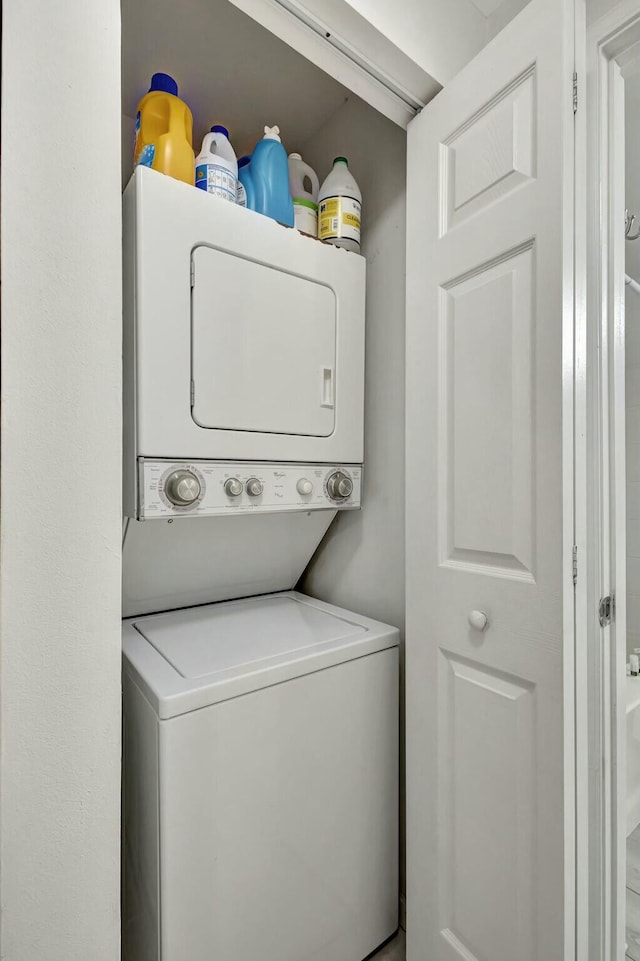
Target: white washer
[261, 782]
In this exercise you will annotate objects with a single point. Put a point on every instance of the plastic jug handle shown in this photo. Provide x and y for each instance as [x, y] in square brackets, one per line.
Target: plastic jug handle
[209, 138]
[309, 172]
[180, 118]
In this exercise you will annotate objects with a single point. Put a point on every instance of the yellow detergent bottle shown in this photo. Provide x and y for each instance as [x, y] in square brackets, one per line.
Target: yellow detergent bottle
[164, 131]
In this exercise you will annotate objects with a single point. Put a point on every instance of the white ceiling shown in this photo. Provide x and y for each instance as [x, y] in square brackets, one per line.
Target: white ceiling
[487, 7]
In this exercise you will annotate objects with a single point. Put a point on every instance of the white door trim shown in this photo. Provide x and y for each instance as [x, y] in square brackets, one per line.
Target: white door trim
[576, 507]
[602, 686]
[337, 42]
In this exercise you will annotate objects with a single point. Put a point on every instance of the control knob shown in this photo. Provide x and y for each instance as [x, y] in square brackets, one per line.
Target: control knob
[254, 487]
[304, 486]
[182, 488]
[233, 487]
[339, 486]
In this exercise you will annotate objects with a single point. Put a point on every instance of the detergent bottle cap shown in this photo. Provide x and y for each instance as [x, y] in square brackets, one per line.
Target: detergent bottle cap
[295, 156]
[165, 83]
[341, 160]
[218, 128]
[272, 133]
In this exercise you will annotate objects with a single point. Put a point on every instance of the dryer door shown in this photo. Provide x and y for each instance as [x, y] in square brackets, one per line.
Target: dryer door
[244, 340]
[263, 347]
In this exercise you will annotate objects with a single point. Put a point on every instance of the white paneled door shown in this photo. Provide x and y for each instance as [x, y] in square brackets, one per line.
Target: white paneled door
[490, 368]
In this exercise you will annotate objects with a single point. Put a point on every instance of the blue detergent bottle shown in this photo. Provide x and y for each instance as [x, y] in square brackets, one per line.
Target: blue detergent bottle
[269, 172]
[246, 193]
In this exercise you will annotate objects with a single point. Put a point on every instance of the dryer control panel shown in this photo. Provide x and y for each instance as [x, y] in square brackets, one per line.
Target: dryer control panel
[209, 488]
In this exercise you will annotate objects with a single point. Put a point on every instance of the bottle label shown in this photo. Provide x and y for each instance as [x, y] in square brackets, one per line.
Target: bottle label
[143, 154]
[305, 218]
[147, 155]
[217, 180]
[339, 219]
[137, 146]
[241, 195]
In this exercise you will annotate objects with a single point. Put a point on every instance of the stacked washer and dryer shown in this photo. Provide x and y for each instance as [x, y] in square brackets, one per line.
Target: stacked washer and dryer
[260, 725]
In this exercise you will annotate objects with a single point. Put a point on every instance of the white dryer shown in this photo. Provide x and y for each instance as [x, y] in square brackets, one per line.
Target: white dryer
[260, 783]
[243, 340]
[244, 396]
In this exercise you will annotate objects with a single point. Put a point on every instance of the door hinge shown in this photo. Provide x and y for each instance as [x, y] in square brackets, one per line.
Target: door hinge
[606, 610]
[193, 274]
[575, 92]
[193, 393]
[574, 568]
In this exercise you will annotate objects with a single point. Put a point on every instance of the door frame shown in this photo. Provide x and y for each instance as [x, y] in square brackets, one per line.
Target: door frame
[602, 681]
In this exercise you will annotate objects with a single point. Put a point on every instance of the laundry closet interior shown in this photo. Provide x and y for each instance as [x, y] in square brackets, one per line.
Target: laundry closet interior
[226, 66]
[262, 790]
[327, 553]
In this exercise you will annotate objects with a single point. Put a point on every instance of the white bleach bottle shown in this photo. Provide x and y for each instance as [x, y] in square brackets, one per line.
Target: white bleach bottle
[305, 198]
[340, 208]
[217, 166]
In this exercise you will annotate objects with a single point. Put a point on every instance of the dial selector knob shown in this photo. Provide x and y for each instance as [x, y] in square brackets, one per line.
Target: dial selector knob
[233, 487]
[339, 486]
[304, 486]
[182, 488]
[254, 487]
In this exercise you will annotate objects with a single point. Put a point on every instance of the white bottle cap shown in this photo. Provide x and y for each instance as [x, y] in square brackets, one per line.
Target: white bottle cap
[295, 156]
[272, 133]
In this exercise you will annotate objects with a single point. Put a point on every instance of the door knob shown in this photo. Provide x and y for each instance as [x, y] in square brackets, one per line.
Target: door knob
[478, 620]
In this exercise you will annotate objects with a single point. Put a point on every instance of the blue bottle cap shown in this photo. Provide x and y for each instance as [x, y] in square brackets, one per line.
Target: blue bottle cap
[165, 83]
[218, 128]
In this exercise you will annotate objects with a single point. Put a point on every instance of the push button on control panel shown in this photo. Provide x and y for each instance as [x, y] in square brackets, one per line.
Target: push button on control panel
[304, 487]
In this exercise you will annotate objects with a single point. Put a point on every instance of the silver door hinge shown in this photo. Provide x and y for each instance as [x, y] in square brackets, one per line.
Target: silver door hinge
[575, 92]
[193, 393]
[574, 568]
[193, 274]
[606, 610]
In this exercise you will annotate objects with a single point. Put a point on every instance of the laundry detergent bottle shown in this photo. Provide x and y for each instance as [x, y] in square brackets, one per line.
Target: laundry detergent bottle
[270, 177]
[246, 193]
[216, 165]
[305, 198]
[340, 208]
[164, 131]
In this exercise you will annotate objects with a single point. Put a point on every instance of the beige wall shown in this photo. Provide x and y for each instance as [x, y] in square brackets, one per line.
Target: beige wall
[60, 476]
[360, 563]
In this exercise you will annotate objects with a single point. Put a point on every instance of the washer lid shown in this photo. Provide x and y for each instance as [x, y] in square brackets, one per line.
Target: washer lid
[189, 659]
[225, 637]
